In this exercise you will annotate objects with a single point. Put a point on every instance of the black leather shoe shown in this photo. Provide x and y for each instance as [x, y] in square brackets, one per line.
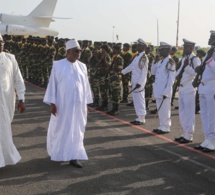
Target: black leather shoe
[161, 132]
[155, 130]
[75, 163]
[132, 122]
[207, 150]
[199, 147]
[178, 139]
[137, 123]
[184, 141]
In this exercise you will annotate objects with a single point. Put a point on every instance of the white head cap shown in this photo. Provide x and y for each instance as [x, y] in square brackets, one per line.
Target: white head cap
[1, 38]
[165, 45]
[141, 42]
[72, 43]
[186, 42]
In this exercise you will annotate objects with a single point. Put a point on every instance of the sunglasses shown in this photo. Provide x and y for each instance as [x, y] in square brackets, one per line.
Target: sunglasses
[2, 42]
[77, 50]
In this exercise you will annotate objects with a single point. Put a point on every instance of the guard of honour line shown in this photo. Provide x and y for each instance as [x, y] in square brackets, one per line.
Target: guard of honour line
[73, 84]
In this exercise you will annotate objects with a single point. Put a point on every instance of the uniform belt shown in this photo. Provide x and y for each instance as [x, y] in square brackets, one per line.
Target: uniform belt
[139, 91]
[205, 83]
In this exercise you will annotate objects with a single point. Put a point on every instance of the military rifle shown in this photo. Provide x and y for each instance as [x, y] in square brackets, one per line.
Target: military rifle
[200, 69]
[179, 76]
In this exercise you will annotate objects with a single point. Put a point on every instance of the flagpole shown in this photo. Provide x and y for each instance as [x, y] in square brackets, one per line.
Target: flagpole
[157, 33]
[178, 24]
[113, 34]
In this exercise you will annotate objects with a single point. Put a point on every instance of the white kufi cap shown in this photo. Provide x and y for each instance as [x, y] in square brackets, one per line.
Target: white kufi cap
[72, 44]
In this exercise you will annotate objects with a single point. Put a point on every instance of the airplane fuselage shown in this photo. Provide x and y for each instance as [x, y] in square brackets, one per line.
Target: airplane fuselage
[25, 25]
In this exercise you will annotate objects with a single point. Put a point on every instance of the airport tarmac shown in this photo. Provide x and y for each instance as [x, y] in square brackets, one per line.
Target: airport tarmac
[124, 159]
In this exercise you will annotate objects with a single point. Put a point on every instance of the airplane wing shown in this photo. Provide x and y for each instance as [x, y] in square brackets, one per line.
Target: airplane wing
[49, 17]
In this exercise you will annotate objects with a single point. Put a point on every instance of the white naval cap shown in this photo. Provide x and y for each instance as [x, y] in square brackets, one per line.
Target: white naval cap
[164, 45]
[186, 42]
[141, 42]
[72, 43]
[212, 32]
[1, 37]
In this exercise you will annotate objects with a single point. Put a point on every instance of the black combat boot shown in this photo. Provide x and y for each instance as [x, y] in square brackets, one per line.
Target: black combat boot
[95, 103]
[114, 111]
[103, 107]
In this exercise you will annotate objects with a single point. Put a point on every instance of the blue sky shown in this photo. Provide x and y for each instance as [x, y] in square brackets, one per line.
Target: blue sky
[133, 19]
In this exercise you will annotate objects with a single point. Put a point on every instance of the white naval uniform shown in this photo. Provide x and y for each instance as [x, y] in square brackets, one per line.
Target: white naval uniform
[164, 78]
[139, 69]
[207, 103]
[187, 96]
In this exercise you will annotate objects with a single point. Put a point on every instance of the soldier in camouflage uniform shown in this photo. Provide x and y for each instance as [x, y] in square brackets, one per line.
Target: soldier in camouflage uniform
[93, 66]
[61, 51]
[8, 43]
[127, 57]
[115, 79]
[49, 58]
[103, 68]
[31, 59]
[44, 73]
[86, 53]
[23, 55]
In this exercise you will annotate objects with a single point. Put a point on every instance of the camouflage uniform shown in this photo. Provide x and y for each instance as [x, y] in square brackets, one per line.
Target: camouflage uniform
[60, 50]
[44, 66]
[49, 61]
[61, 53]
[100, 80]
[127, 57]
[86, 53]
[94, 80]
[115, 81]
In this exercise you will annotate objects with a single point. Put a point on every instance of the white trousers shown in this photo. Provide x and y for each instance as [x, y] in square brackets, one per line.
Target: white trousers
[139, 105]
[187, 114]
[207, 106]
[164, 113]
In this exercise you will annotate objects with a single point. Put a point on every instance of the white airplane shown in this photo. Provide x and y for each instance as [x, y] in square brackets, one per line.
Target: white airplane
[35, 24]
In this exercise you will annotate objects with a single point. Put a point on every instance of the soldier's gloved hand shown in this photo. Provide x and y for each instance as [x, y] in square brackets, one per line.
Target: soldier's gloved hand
[164, 97]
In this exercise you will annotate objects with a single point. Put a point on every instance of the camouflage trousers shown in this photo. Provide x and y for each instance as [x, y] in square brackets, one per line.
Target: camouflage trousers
[95, 88]
[115, 89]
[125, 86]
[148, 93]
[100, 85]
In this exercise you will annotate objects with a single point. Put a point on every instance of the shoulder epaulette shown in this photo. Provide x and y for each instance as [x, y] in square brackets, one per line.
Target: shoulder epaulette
[171, 61]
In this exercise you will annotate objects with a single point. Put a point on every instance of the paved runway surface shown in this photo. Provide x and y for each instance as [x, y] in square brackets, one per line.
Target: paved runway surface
[123, 158]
